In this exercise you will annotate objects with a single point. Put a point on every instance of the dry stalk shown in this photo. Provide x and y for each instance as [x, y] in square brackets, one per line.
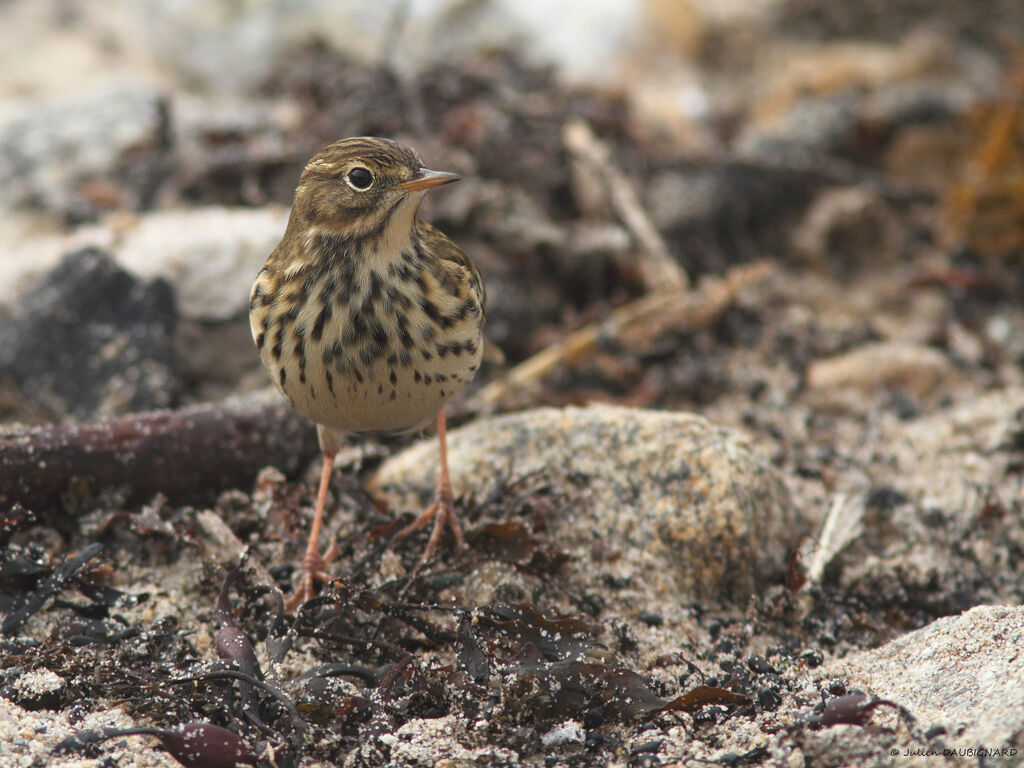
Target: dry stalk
[658, 269]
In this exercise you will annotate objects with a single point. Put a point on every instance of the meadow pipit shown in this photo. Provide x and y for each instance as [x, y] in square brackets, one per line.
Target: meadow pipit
[367, 319]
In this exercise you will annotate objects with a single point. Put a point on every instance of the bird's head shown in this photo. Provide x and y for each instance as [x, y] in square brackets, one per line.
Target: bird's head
[364, 186]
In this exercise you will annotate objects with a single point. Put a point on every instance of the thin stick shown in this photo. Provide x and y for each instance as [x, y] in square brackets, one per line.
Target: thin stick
[660, 271]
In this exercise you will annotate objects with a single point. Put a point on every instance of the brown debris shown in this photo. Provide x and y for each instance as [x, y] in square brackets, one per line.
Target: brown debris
[986, 204]
[556, 690]
[194, 745]
[648, 316]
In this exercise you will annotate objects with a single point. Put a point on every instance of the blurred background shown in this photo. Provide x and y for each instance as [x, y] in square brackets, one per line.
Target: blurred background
[800, 219]
[844, 140]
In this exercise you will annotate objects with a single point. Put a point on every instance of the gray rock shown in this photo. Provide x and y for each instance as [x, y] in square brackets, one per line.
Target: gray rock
[812, 128]
[49, 151]
[210, 255]
[668, 504]
[228, 46]
[92, 340]
[820, 127]
[945, 469]
[963, 672]
[913, 368]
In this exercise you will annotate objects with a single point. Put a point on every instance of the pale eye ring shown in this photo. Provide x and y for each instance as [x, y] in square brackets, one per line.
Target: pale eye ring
[360, 179]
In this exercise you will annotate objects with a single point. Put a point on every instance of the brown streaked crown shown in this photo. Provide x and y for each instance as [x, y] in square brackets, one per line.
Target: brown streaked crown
[345, 183]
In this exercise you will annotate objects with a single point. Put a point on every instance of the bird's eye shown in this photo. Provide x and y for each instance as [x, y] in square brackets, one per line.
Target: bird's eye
[360, 179]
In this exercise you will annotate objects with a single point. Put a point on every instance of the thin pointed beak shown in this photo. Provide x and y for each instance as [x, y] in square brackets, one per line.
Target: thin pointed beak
[424, 178]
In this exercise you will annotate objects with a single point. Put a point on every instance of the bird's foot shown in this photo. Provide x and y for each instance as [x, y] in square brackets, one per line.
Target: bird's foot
[313, 570]
[442, 512]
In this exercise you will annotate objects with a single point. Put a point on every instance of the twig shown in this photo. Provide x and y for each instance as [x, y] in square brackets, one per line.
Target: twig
[660, 271]
[843, 523]
[190, 455]
[661, 310]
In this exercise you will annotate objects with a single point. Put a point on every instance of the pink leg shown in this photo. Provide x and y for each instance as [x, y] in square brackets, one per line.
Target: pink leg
[313, 563]
[442, 511]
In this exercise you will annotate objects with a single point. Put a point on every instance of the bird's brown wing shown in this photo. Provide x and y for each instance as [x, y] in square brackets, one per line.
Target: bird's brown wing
[452, 265]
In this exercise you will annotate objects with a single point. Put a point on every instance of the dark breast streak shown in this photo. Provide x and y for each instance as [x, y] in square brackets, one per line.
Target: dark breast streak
[362, 314]
[404, 329]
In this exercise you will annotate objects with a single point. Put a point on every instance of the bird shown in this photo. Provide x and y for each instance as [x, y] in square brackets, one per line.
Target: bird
[368, 319]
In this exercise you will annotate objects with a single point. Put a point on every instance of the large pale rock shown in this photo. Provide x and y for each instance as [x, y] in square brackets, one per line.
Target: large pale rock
[964, 672]
[669, 504]
[916, 369]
